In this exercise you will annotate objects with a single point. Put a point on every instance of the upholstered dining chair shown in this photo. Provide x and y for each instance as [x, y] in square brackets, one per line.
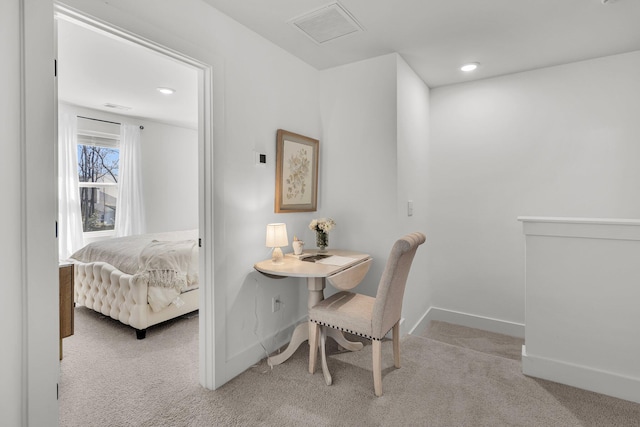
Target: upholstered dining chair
[366, 316]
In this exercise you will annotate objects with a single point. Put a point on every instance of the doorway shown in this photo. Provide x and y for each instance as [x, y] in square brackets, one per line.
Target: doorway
[203, 123]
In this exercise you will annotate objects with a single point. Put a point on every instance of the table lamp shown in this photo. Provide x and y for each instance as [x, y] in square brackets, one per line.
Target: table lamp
[276, 238]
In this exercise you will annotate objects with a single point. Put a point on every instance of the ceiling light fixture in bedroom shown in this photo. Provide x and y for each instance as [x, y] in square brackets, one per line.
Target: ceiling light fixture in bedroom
[166, 90]
[117, 107]
[471, 66]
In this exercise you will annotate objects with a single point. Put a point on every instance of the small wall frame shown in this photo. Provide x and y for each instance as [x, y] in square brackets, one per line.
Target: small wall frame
[296, 173]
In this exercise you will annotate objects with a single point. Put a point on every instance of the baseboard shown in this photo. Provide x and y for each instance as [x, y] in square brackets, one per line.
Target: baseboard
[615, 385]
[469, 320]
[241, 361]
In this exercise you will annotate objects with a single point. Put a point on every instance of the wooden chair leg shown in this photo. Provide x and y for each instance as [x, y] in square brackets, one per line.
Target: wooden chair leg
[325, 369]
[314, 328]
[376, 348]
[396, 344]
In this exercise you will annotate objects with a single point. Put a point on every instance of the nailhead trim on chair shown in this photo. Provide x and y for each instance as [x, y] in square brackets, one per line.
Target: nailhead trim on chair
[348, 330]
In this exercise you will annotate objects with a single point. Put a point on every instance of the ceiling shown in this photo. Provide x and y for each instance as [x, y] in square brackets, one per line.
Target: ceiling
[434, 37]
[95, 68]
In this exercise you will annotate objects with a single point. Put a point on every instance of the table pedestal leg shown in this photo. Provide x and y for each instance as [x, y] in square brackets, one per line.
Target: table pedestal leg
[300, 335]
[341, 340]
[315, 286]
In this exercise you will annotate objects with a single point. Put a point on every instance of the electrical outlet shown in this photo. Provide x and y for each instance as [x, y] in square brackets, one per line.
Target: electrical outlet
[275, 303]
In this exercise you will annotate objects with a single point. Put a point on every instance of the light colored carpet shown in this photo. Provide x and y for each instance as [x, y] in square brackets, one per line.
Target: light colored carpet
[475, 339]
[108, 378]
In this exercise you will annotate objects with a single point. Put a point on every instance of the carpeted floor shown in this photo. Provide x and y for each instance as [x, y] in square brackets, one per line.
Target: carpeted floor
[108, 378]
[476, 339]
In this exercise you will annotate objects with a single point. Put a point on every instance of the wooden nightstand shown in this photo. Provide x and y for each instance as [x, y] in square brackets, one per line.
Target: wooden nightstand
[66, 302]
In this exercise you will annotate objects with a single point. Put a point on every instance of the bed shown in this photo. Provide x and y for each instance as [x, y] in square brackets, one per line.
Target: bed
[139, 280]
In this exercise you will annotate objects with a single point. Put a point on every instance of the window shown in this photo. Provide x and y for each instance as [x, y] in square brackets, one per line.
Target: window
[98, 163]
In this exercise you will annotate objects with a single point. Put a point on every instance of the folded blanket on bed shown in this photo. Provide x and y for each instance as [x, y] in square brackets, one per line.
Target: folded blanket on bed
[164, 265]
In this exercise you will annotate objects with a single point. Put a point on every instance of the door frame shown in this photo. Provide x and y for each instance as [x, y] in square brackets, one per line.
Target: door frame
[205, 176]
[40, 368]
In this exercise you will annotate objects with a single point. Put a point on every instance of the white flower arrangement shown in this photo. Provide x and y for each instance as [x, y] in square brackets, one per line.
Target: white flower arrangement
[323, 224]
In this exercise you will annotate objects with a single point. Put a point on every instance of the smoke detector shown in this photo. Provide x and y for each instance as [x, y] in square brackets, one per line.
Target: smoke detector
[327, 23]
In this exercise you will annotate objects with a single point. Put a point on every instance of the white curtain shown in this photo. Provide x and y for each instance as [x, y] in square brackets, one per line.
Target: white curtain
[130, 209]
[69, 217]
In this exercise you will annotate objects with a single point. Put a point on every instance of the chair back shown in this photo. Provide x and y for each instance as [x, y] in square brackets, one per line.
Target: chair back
[387, 309]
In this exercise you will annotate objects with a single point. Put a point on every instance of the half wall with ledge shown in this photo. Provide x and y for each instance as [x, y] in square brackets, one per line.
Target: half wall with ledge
[582, 301]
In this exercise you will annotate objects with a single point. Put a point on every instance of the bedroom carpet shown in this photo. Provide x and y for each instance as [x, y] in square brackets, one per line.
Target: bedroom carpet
[108, 378]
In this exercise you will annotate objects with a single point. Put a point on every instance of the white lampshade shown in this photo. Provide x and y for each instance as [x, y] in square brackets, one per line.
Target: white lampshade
[277, 235]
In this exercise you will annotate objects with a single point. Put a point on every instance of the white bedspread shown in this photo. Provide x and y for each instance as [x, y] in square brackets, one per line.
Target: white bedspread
[167, 262]
[123, 252]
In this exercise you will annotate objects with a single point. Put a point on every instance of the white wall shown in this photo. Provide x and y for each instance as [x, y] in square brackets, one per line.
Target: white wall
[372, 162]
[358, 165]
[560, 141]
[413, 143]
[10, 251]
[169, 176]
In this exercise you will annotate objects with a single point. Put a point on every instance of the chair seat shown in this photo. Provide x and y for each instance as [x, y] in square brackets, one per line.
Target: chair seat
[352, 312]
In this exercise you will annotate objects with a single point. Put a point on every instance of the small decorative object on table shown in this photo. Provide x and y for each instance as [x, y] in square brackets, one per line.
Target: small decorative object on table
[297, 245]
[322, 227]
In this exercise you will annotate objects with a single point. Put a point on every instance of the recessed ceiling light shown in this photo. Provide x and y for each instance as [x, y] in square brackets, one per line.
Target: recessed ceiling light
[117, 107]
[469, 67]
[166, 90]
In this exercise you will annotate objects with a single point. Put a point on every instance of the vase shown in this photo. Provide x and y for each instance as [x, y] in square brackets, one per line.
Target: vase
[322, 241]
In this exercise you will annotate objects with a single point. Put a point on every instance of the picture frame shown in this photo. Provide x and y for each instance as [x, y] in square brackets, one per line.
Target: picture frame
[296, 173]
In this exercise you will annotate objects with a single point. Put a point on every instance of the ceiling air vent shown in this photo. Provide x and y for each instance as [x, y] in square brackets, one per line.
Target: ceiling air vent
[327, 23]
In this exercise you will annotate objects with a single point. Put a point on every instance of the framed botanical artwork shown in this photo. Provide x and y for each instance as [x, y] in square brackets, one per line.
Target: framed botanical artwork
[296, 173]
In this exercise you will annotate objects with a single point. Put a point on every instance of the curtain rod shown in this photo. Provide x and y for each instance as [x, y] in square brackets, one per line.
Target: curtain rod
[104, 121]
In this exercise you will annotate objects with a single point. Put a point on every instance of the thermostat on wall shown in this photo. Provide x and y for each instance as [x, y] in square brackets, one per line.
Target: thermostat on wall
[260, 159]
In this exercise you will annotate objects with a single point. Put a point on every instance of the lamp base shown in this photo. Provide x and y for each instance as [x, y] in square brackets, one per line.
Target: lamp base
[277, 257]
